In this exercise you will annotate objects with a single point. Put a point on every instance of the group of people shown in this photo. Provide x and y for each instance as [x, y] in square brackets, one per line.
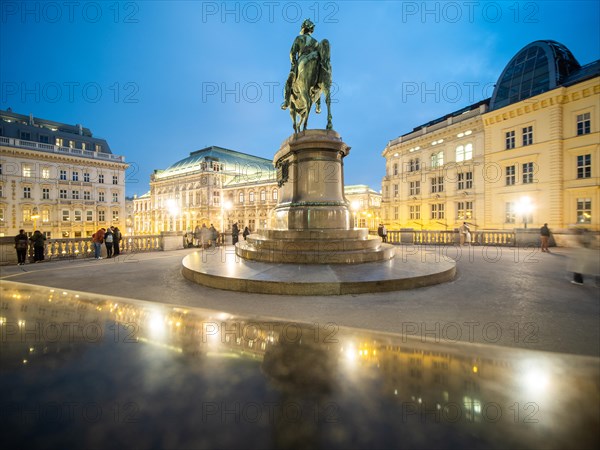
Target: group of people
[22, 242]
[203, 236]
[111, 238]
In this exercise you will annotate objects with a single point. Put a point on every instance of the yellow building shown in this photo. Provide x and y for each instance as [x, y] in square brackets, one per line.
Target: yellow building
[365, 204]
[527, 156]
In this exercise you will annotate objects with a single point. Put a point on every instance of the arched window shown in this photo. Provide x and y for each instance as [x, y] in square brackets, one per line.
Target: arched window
[464, 152]
[241, 197]
[437, 159]
[263, 196]
[395, 169]
[251, 197]
[275, 194]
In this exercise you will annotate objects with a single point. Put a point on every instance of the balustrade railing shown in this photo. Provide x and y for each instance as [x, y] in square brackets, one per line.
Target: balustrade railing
[439, 237]
[12, 142]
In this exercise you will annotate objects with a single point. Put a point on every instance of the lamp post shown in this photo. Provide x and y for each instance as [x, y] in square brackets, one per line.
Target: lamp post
[524, 208]
[355, 205]
[35, 216]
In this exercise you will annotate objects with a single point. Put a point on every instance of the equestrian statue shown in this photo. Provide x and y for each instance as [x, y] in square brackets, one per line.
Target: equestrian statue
[309, 78]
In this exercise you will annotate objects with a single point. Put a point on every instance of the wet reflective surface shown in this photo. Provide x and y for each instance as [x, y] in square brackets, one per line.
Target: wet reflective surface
[79, 370]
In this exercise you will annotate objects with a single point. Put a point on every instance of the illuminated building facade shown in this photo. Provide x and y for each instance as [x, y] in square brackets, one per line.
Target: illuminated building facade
[57, 178]
[527, 156]
[220, 186]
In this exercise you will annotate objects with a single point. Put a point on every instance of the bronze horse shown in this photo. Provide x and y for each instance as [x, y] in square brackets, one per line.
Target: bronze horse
[312, 79]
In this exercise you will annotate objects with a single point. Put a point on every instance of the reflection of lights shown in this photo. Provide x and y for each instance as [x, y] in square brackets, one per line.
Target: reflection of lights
[355, 205]
[475, 369]
[21, 323]
[536, 380]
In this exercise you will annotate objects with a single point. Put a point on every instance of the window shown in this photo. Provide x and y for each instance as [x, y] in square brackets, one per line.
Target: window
[63, 175]
[510, 175]
[241, 197]
[26, 192]
[528, 135]
[66, 216]
[437, 159]
[115, 179]
[437, 184]
[510, 139]
[1, 214]
[438, 211]
[115, 216]
[27, 171]
[216, 198]
[77, 216]
[115, 197]
[101, 216]
[464, 152]
[72, 144]
[465, 181]
[584, 166]
[89, 216]
[75, 195]
[414, 165]
[395, 169]
[0, 169]
[62, 194]
[263, 196]
[583, 124]
[1, 191]
[87, 195]
[100, 178]
[528, 173]
[45, 193]
[86, 177]
[464, 210]
[510, 212]
[45, 215]
[395, 190]
[386, 191]
[25, 136]
[415, 188]
[75, 176]
[584, 210]
[45, 173]
[26, 215]
[396, 213]
[59, 142]
[251, 197]
[414, 212]
[98, 147]
[275, 194]
[83, 146]
[100, 196]
[44, 139]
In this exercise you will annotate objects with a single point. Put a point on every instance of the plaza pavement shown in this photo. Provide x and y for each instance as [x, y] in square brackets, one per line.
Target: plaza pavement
[501, 296]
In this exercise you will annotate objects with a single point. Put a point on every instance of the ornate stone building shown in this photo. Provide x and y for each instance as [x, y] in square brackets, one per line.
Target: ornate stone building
[527, 156]
[57, 178]
[220, 186]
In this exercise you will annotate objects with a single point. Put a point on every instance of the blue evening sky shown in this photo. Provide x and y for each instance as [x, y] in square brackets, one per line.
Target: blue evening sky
[161, 79]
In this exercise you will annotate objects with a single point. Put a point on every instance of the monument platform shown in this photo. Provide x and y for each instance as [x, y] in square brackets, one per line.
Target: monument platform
[221, 268]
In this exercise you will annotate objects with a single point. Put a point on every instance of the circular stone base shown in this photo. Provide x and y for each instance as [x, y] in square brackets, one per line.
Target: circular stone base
[221, 268]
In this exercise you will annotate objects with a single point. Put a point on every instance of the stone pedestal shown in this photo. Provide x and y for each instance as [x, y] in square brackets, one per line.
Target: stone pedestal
[310, 173]
[313, 224]
[171, 240]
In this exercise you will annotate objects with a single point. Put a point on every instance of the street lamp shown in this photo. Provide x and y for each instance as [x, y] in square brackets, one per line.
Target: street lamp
[173, 210]
[524, 208]
[355, 206]
[35, 216]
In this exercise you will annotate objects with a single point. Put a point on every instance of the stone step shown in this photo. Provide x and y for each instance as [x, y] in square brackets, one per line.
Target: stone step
[252, 253]
[260, 242]
[353, 234]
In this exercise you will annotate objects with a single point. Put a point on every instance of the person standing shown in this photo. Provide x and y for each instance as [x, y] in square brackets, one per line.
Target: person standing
[380, 231]
[117, 236]
[235, 233]
[545, 238]
[384, 233]
[98, 239]
[109, 240]
[464, 233]
[246, 232]
[38, 239]
[197, 236]
[21, 245]
[213, 235]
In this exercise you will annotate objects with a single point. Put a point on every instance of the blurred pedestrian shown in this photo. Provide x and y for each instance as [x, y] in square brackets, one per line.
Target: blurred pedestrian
[383, 233]
[585, 259]
[38, 239]
[117, 237]
[213, 235]
[235, 233]
[246, 232]
[545, 238]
